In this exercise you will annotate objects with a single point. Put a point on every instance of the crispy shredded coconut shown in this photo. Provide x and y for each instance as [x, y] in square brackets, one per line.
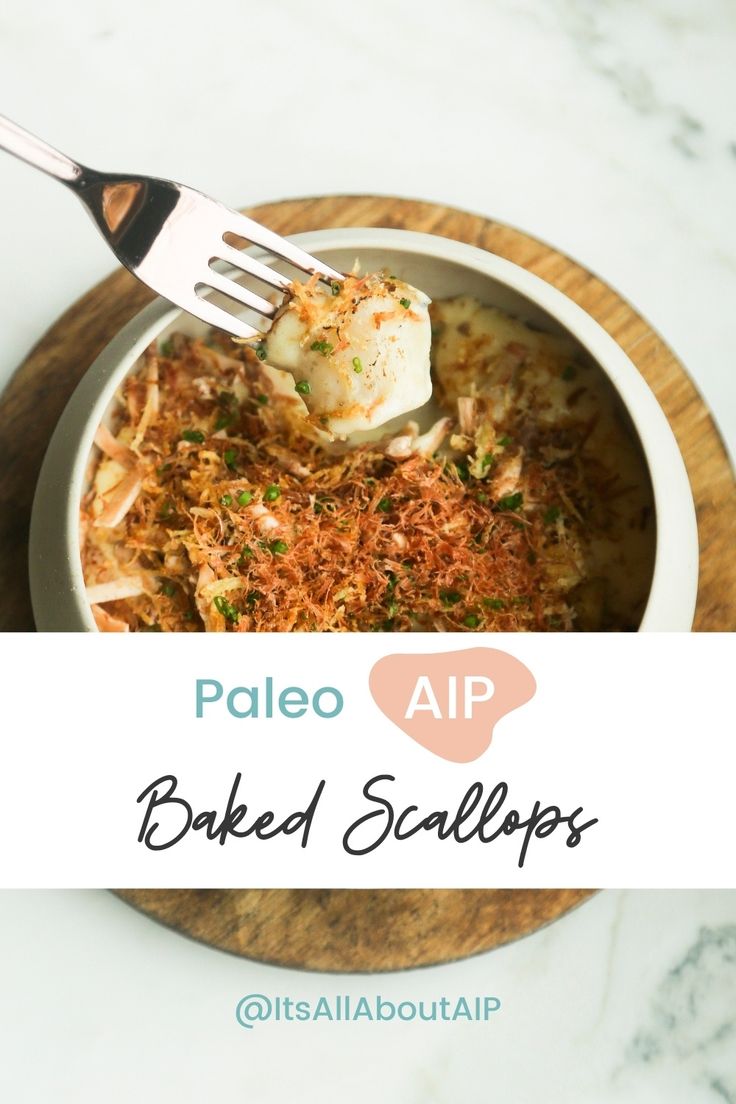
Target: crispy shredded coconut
[216, 507]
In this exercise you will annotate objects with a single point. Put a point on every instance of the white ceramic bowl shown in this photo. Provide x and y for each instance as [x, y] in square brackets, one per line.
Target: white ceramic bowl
[442, 268]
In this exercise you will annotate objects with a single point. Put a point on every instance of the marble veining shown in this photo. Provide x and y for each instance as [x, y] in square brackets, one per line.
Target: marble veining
[692, 1021]
[608, 52]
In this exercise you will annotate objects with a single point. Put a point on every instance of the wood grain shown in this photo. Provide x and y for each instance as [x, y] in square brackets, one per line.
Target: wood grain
[33, 401]
[367, 929]
[355, 930]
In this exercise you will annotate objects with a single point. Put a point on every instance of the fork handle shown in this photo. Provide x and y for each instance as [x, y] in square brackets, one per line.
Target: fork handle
[24, 145]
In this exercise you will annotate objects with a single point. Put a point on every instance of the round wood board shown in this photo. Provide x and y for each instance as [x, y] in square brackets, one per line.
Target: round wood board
[356, 930]
[361, 929]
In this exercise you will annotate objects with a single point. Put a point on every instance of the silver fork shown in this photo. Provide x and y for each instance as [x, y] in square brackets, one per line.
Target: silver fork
[169, 235]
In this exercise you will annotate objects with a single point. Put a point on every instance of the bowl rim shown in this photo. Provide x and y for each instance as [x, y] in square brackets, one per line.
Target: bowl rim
[57, 589]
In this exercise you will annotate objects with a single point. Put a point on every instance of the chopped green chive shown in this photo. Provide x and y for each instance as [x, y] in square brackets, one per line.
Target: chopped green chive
[224, 420]
[189, 615]
[510, 502]
[167, 509]
[384, 505]
[551, 515]
[262, 399]
[494, 603]
[272, 492]
[168, 589]
[482, 497]
[167, 348]
[357, 366]
[463, 472]
[278, 547]
[244, 498]
[246, 553]
[226, 500]
[229, 456]
[261, 351]
[451, 597]
[323, 347]
[225, 398]
[406, 303]
[303, 387]
[488, 460]
[471, 620]
[227, 609]
[335, 287]
[194, 436]
[569, 372]
[253, 596]
[504, 441]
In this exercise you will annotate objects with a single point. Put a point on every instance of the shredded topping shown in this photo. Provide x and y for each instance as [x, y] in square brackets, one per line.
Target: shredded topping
[216, 506]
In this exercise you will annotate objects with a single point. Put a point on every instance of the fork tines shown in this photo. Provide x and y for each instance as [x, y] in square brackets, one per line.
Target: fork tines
[243, 227]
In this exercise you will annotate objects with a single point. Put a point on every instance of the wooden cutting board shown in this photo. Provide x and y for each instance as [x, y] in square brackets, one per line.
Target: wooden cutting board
[356, 930]
[366, 929]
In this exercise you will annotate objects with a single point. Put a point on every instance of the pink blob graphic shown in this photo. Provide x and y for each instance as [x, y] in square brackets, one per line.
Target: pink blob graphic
[449, 702]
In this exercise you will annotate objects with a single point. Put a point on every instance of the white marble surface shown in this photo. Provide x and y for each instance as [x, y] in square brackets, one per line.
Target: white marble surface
[606, 127]
[631, 999]
[603, 126]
